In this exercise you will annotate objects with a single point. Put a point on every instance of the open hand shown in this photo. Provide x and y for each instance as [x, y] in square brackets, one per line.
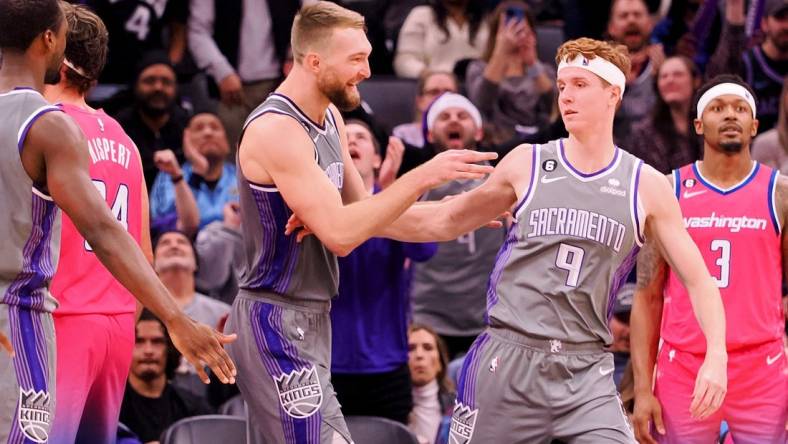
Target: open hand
[201, 346]
[390, 166]
[711, 385]
[198, 161]
[456, 165]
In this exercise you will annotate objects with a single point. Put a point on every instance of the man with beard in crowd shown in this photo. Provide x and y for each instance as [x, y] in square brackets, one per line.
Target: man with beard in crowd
[630, 25]
[155, 122]
[294, 158]
[763, 67]
[211, 180]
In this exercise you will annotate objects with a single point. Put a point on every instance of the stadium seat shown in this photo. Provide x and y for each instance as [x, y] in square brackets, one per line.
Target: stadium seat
[548, 39]
[206, 429]
[391, 99]
[234, 406]
[371, 429]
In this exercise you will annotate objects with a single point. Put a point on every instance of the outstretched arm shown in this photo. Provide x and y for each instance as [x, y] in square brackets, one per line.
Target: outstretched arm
[54, 154]
[664, 222]
[289, 163]
[645, 321]
[448, 219]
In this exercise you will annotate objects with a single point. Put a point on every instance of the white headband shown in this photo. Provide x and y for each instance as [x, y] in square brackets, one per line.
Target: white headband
[598, 66]
[721, 90]
[451, 100]
[79, 71]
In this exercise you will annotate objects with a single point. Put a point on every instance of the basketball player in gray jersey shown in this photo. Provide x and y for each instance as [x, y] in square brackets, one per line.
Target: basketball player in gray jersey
[43, 166]
[293, 157]
[582, 207]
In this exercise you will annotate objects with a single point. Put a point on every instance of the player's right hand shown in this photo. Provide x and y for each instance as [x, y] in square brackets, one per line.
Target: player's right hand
[710, 386]
[456, 165]
[647, 411]
[201, 346]
[6, 344]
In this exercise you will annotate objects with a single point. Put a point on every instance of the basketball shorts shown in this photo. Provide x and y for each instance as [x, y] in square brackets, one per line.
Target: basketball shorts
[755, 406]
[516, 389]
[94, 356]
[27, 390]
[283, 357]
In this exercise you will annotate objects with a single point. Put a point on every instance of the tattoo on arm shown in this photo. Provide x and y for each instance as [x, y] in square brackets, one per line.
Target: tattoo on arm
[652, 269]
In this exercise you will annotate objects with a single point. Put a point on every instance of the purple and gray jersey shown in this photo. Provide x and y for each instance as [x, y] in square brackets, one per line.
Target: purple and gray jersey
[573, 244]
[275, 263]
[30, 220]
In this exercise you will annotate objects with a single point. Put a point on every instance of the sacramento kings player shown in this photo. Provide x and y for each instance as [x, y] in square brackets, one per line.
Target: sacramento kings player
[44, 163]
[293, 157]
[582, 208]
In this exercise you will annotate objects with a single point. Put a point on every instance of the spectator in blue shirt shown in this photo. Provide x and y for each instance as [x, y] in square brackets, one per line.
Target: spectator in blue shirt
[370, 316]
[211, 180]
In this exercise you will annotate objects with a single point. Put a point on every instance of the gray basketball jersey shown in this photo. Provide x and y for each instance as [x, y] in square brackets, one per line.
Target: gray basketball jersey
[448, 291]
[574, 242]
[273, 262]
[29, 219]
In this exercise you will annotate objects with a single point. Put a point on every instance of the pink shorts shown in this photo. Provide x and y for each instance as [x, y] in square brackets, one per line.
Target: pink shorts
[755, 407]
[93, 360]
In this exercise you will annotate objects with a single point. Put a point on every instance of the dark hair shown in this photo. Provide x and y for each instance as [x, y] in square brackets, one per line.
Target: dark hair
[444, 382]
[474, 12]
[495, 21]
[660, 115]
[86, 46]
[21, 21]
[722, 78]
[191, 242]
[173, 355]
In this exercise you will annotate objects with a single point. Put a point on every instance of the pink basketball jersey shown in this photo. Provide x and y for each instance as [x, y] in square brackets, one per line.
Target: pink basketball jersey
[81, 284]
[738, 233]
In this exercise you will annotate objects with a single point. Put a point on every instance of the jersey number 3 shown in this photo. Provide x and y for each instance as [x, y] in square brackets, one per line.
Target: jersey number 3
[120, 206]
[724, 261]
[570, 258]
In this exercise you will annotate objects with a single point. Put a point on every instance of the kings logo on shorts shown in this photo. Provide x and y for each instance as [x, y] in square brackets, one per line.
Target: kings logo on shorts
[34, 414]
[299, 392]
[463, 421]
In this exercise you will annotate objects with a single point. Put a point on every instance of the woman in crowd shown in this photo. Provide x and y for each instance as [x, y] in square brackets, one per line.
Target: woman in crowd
[514, 90]
[438, 35]
[771, 147]
[433, 391]
[667, 140]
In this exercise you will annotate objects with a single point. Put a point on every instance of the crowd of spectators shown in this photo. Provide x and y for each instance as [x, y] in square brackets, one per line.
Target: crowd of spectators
[182, 76]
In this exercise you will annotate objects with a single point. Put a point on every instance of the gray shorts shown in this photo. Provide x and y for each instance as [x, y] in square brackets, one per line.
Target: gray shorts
[516, 389]
[27, 382]
[283, 356]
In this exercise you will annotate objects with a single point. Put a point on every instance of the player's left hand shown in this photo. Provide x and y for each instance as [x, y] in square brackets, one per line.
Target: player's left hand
[6, 344]
[293, 224]
[201, 346]
[710, 386]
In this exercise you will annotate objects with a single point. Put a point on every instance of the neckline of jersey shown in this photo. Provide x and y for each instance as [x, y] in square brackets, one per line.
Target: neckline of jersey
[320, 128]
[588, 176]
[731, 189]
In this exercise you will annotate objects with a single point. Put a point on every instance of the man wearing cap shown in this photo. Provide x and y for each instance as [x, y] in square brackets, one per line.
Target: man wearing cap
[155, 122]
[764, 66]
[448, 291]
[582, 207]
[734, 209]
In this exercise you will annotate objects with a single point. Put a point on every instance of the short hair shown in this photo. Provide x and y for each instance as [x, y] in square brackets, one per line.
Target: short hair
[21, 21]
[366, 126]
[173, 355]
[590, 48]
[315, 23]
[86, 46]
[425, 75]
[716, 80]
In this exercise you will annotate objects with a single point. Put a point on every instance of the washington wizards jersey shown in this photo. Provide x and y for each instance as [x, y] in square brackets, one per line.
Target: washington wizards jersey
[574, 242]
[82, 285]
[273, 262]
[738, 233]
